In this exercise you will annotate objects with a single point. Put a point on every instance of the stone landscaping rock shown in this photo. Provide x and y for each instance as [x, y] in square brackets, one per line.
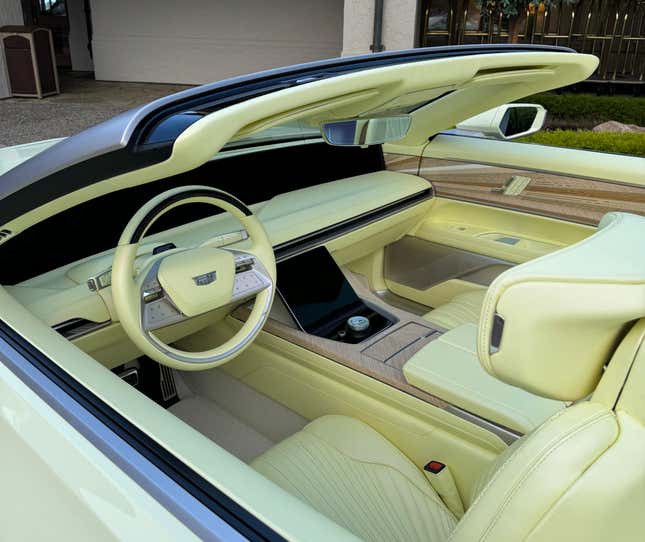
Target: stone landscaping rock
[618, 127]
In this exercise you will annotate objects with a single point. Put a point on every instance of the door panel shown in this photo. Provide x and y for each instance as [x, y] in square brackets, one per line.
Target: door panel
[421, 264]
[499, 233]
[576, 163]
[558, 196]
[503, 211]
[462, 246]
[58, 486]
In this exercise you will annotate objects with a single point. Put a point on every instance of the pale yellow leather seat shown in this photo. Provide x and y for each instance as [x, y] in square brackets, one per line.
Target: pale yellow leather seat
[353, 475]
[579, 476]
[462, 309]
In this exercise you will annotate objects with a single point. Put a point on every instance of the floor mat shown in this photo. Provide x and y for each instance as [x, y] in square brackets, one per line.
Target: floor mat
[222, 427]
[233, 415]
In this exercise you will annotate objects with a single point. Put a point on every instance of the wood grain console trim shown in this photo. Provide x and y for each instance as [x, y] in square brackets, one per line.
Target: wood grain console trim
[398, 343]
[359, 357]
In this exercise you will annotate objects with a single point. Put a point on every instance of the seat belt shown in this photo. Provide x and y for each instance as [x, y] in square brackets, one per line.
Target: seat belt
[441, 480]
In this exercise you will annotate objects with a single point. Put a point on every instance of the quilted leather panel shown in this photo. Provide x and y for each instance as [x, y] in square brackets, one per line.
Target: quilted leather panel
[353, 475]
[462, 309]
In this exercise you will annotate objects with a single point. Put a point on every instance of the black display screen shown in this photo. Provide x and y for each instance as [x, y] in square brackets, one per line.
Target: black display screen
[315, 289]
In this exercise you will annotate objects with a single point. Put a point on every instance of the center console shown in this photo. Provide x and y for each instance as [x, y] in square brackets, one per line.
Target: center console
[449, 367]
[323, 303]
[335, 314]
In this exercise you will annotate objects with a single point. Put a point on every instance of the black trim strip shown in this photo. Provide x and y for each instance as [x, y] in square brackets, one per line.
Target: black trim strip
[496, 333]
[291, 248]
[202, 490]
[171, 200]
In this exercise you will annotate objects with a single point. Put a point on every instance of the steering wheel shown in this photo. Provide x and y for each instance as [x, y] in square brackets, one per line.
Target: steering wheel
[179, 284]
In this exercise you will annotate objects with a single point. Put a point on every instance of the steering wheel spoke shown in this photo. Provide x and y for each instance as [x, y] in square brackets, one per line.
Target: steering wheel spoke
[251, 277]
[157, 308]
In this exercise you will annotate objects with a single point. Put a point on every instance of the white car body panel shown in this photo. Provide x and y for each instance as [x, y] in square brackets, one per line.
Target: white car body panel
[10, 157]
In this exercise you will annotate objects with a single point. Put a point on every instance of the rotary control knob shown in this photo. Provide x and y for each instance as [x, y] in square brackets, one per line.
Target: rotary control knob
[358, 324]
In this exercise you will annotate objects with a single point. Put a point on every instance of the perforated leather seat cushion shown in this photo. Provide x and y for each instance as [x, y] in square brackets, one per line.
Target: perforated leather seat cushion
[353, 475]
[462, 309]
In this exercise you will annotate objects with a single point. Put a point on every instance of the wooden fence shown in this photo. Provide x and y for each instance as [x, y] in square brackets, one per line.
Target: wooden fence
[613, 30]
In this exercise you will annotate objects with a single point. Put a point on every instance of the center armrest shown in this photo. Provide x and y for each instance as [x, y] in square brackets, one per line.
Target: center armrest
[448, 368]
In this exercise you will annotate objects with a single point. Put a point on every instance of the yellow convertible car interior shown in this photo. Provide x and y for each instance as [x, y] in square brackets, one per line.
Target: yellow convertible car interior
[318, 314]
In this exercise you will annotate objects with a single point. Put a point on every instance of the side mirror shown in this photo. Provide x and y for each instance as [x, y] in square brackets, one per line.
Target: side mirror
[365, 131]
[508, 121]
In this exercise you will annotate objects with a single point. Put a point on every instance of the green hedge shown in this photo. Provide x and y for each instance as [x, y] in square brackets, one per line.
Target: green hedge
[629, 143]
[591, 108]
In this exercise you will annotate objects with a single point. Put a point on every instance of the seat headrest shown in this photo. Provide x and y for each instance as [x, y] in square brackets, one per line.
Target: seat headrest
[550, 325]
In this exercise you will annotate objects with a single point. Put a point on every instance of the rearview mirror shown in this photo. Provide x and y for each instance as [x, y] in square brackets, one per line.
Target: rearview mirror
[365, 131]
[508, 121]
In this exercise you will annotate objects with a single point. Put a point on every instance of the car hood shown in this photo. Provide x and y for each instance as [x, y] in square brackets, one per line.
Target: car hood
[10, 157]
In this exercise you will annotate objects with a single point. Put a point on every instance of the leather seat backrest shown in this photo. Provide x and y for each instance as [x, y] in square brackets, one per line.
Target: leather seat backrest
[551, 324]
[581, 475]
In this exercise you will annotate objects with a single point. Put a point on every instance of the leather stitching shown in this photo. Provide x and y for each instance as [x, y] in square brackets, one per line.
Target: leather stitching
[428, 517]
[430, 493]
[497, 288]
[559, 442]
[544, 453]
[503, 466]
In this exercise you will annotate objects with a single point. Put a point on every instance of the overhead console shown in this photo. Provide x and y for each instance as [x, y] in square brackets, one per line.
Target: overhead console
[322, 301]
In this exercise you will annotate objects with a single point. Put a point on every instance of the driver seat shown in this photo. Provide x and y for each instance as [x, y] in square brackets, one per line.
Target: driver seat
[579, 476]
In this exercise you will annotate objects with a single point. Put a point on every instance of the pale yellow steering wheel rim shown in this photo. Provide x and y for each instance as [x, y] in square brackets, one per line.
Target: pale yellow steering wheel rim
[127, 289]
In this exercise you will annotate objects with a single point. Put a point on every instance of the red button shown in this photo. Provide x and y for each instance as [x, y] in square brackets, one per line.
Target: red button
[435, 467]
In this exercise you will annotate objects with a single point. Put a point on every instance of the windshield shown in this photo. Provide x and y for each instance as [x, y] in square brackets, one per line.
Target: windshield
[288, 131]
[168, 130]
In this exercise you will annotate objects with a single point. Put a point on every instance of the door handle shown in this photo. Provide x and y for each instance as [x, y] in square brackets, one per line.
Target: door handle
[513, 187]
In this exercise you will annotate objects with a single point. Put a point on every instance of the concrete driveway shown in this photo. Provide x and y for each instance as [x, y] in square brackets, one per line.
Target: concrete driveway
[82, 103]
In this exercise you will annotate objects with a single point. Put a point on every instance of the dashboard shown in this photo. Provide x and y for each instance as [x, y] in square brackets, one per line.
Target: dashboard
[76, 299]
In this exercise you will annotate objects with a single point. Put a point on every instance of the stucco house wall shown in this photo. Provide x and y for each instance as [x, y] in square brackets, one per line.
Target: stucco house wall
[197, 41]
[399, 24]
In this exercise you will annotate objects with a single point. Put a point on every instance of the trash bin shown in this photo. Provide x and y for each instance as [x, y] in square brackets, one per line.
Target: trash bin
[31, 64]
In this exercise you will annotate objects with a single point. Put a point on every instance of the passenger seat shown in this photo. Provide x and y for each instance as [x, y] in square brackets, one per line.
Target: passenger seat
[462, 309]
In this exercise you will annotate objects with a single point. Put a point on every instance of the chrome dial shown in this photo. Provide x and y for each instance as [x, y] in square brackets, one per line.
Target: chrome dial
[358, 324]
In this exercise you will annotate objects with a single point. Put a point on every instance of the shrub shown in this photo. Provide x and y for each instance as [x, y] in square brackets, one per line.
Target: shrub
[590, 109]
[629, 143]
